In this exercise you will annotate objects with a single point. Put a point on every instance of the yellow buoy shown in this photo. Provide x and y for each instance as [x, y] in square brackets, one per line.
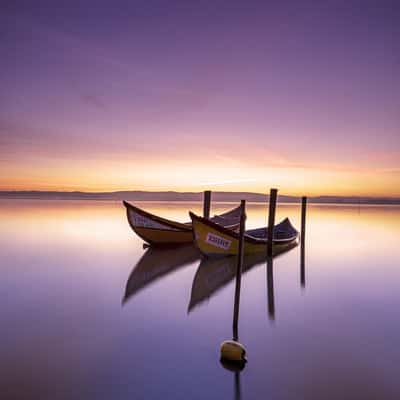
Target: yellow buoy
[233, 351]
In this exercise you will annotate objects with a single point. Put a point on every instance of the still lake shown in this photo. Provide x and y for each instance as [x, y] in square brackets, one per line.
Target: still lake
[87, 313]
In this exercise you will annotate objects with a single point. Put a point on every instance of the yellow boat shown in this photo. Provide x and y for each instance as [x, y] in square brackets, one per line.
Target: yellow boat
[215, 240]
[156, 230]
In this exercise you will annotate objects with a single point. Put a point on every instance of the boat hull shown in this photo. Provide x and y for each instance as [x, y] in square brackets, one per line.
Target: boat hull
[213, 240]
[163, 236]
[158, 231]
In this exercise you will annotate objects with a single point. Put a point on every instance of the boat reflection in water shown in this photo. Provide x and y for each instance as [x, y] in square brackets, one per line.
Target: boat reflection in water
[157, 263]
[215, 273]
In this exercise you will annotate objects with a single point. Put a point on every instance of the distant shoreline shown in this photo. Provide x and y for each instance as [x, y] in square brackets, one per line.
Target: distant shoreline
[172, 196]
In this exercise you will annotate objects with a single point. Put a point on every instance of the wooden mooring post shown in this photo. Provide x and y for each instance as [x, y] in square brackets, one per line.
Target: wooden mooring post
[271, 220]
[303, 241]
[206, 204]
[233, 354]
[239, 267]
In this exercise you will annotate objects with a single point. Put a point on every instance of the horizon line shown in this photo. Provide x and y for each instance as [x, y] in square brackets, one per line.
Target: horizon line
[83, 192]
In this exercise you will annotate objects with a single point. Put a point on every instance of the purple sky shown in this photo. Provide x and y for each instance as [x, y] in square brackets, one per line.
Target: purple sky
[139, 94]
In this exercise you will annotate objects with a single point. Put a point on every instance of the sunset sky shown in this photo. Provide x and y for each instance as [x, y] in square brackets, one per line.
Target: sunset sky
[194, 95]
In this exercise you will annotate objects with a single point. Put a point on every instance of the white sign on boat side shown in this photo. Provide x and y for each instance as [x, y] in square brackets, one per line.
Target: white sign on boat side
[218, 241]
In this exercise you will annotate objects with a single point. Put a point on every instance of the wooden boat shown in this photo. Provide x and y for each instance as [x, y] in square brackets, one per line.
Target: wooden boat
[215, 240]
[156, 263]
[156, 230]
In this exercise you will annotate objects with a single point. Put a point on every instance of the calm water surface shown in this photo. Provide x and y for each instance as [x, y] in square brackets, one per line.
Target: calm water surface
[87, 313]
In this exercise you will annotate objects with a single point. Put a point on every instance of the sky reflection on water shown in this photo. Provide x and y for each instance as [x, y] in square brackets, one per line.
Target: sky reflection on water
[67, 266]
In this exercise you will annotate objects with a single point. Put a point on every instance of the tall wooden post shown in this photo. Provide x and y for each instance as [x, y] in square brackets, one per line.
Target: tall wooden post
[303, 241]
[271, 220]
[239, 268]
[206, 204]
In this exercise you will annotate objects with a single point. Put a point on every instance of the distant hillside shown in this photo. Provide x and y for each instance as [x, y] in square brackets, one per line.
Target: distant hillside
[188, 196]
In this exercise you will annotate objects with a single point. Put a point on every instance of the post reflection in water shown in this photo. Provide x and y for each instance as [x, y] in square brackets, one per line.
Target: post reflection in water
[157, 263]
[270, 289]
[302, 265]
[270, 282]
[236, 369]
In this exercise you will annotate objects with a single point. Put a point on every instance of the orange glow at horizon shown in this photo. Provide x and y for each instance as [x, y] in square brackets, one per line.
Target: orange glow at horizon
[196, 175]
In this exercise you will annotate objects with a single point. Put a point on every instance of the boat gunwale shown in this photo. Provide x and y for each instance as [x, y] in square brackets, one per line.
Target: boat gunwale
[178, 226]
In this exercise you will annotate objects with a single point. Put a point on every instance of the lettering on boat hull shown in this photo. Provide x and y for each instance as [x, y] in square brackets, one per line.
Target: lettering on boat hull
[143, 222]
[218, 241]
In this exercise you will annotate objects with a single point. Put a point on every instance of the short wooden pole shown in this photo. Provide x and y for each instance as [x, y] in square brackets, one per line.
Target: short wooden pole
[206, 204]
[303, 241]
[271, 220]
[270, 288]
[239, 268]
